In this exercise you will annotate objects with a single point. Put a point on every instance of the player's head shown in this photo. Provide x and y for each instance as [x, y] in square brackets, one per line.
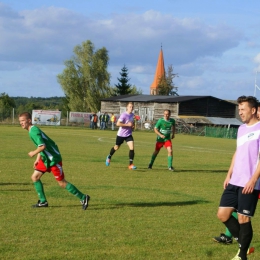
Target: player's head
[258, 111]
[166, 114]
[247, 108]
[130, 107]
[25, 120]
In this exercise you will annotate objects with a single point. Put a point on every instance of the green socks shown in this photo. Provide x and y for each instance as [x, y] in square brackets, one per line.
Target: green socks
[153, 159]
[73, 190]
[170, 161]
[40, 191]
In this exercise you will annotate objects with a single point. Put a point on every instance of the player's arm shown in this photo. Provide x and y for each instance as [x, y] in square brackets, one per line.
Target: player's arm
[230, 171]
[173, 131]
[120, 123]
[250, 185]
[37, 151]
[156, 130]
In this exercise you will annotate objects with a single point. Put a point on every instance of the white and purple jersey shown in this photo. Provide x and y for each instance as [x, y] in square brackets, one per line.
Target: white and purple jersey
[124, 118]
[247, 155]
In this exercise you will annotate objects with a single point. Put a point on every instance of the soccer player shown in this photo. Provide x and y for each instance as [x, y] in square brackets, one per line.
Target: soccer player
[126, 125]
[242, 185]
[48, 159]
[165, 130]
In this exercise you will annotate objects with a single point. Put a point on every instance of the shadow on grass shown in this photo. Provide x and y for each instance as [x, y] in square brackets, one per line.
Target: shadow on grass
[162, 204]
[13, 183]
[213, 171]
[137, 204]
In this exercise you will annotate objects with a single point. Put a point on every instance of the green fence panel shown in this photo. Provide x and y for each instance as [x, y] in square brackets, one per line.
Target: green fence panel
[221, 132]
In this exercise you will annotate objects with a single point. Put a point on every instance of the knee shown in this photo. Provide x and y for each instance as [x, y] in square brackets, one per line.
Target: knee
[62, 183]
[36, 176]
[222, 217]
[116, 147]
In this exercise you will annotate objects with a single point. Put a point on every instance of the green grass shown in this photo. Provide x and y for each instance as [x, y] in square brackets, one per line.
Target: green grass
[142, 214]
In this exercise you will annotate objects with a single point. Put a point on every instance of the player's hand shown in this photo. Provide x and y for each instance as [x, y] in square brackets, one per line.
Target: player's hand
[226, 182]
[31, 154]
[35, 163]
[249, 187]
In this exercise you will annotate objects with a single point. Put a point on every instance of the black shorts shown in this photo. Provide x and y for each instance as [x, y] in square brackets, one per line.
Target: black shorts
[120, 139]
[245, 204]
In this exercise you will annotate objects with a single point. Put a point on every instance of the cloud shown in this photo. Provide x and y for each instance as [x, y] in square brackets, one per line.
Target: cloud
[50, 34]
[36, 42]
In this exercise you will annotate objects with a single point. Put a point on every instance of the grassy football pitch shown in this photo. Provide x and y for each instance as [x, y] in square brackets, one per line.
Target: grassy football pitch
[141, 214]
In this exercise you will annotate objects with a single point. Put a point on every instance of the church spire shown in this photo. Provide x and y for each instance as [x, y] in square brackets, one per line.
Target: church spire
[159, 73]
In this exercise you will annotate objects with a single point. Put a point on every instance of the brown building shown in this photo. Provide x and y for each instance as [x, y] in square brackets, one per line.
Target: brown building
[206, 110]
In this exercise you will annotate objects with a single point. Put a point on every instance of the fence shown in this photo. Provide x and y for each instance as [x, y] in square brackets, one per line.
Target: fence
[221, 132]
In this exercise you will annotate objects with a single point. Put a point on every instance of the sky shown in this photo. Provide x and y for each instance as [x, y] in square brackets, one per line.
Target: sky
[213, 46]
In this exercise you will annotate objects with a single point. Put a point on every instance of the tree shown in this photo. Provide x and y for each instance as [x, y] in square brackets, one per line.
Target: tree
[166, 85]
[136, 91]
[123, 87]
[85, 79]
[6, 105]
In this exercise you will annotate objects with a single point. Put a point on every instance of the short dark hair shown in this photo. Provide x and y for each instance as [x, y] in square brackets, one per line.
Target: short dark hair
[252, 101]
[26, 114]
[168, 110]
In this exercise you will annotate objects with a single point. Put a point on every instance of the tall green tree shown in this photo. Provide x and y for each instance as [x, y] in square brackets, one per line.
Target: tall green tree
[166, 85]
[85, 79]
[123, 87]
[6, 105]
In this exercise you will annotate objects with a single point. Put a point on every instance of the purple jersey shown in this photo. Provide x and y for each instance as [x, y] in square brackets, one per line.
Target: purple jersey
[247, 155]
[124, 118]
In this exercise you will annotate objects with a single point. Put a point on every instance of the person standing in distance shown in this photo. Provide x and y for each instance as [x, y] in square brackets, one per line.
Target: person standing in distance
[165, 131]
[48, 159]
[242, 185]
[125, 123]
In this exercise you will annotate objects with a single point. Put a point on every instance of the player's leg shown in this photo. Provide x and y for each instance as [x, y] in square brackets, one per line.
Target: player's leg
[58, 173]
[130, 143]
[226, 238]
[168, 145]
[119, 141]
[39, 170]
[36, 178]
[246, 208]
[157, 149]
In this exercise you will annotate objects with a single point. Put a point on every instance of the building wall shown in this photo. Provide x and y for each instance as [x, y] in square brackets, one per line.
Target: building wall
[160, 107]
[148, 111]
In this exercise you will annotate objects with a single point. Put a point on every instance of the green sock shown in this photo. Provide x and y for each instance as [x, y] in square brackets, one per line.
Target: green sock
[227, 233]
[153, 159]
[73, 190]
[40, 191]
[170, 161]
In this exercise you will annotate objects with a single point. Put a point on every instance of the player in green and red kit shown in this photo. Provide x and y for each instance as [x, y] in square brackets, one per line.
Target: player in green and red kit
[165, 130]
[48, 160]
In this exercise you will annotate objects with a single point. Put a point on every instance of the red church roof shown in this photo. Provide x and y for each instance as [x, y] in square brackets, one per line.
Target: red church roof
[159, 73]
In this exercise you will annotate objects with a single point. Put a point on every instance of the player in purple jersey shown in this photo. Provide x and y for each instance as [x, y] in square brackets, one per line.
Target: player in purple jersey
[241, 186]
[126, 126]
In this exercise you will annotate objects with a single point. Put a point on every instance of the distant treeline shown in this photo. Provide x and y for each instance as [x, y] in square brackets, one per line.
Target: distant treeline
[47, 102]
[34, 103]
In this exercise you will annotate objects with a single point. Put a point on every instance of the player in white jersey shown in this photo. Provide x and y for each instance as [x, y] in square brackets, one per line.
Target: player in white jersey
[241, 186]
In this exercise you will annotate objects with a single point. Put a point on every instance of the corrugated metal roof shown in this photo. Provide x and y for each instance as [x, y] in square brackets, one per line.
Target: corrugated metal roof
[211, 120]
[224, 121]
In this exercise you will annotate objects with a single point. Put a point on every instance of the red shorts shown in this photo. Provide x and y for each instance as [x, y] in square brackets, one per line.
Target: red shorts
[56, 170]
[166, 144]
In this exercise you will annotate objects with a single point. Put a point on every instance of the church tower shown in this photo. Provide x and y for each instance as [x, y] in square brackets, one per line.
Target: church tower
[159, 73]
